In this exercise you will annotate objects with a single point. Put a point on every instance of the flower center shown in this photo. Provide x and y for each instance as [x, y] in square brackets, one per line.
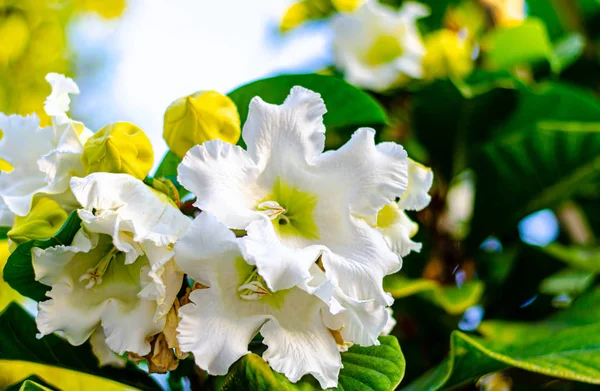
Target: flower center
[291, 211]
[94, 274]
[384, 49]
[388, 215]
[253, 288]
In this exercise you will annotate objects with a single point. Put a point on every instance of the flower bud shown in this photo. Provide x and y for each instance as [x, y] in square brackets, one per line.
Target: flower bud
[44, 220]
[447, 55]
[121, 147]
[203, 116]
[297, 14]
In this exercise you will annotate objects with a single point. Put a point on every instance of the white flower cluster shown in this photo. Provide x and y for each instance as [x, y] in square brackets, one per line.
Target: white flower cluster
[292, 242]
[378, 47]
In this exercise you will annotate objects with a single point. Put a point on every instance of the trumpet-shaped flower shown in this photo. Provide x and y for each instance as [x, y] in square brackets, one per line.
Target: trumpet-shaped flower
[377, 47]
[118, 273]
[43, 160]
[314, 204]
[221, 320]
[392, 221]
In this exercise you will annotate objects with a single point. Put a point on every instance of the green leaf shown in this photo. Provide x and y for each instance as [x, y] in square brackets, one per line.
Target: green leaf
[19, 273]
[453, 299]
[546, 11]
[168, 170]
[569, 281]
[526, 43]
[373, 368]
[572, 354]
[348, 107]
[18, 343]
[567, 346]
[251, 372]
[4, 231]
[168, 166]
[31, 383]
[464, 114]
[579, 257]
[548, 151]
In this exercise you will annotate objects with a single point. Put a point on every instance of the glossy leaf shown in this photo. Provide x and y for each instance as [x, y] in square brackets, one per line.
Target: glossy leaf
[525, 43]
[347, 106]
[7, 294]
[547, 152]
[374, 368]
[465, 113]
[453, 299]
[566, 346]
[579, 257]
[18, 346]
[569, 281]
[168, 170]
[19, 273]
[32, 383]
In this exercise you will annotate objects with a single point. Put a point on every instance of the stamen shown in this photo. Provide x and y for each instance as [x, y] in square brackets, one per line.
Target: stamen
[253, 288]
[272, 209]
[94, 274]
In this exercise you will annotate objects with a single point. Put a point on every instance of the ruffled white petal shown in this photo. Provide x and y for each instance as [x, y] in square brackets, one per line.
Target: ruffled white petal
[64, 161]
[127, 329]
[103, 352]
[299, 343]
[282, 267]
[398, 234]
[218, 325]
[206, 239]
[223, 177]
[44, 159]
[358, 260]
[363, 176]
[7, 218]
[420, 179]
[218, 337]
[23, 142]
[359, 322]
[391, 322]
[57, 103]
[147, 214]
[118, 272]
[77, 311]
[284, 136]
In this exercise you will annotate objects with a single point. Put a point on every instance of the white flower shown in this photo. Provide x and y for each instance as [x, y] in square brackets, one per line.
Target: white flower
[460, 202]
[43, 159]
[286, 190]
[395, 225]
[377, 47]
[219, 323]
[118, 273]
[7, 218]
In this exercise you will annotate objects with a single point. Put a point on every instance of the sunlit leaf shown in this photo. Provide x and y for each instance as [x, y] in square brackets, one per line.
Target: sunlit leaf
[525, 43]
[565, 346]
[55, 360]
[374, 368]
[453, 299]
[579, 257]
[18, 271]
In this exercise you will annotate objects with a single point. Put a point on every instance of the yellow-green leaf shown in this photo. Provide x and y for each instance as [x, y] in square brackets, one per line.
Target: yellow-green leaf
[452, 298]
